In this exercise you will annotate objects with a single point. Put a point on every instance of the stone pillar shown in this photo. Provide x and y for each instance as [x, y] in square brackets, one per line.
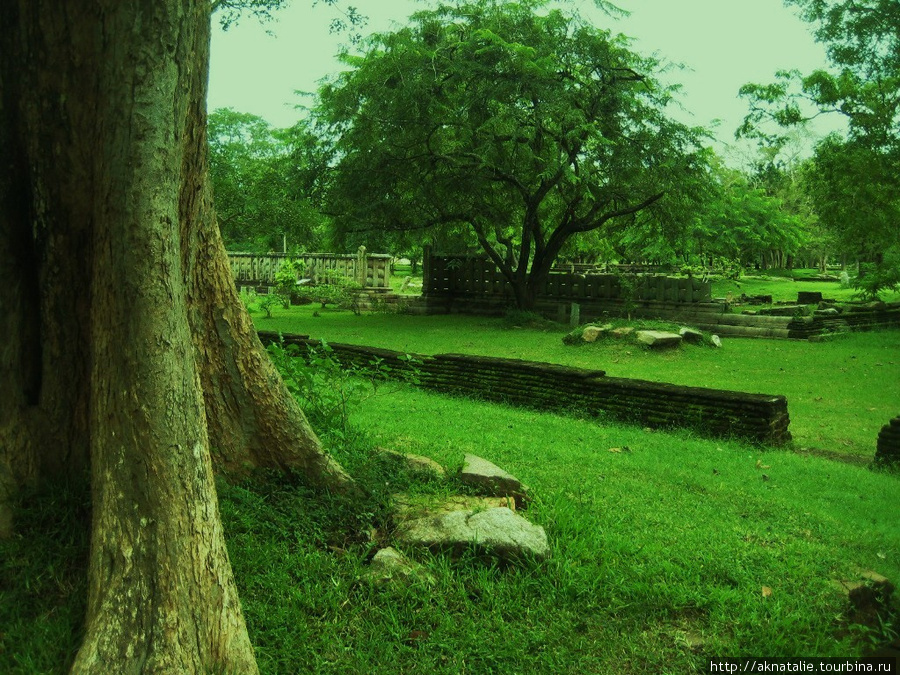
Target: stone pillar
[575, 316]
[426, 269]
[362, 266]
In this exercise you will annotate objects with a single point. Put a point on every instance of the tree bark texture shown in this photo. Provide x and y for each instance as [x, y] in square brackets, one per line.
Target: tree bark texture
[253, 421]
[124, 348]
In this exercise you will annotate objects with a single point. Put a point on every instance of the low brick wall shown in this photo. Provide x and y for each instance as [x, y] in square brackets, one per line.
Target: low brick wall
[888, 451]
[761, 418]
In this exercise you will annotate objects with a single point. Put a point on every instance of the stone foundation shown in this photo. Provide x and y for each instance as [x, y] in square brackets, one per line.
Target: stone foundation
[760, 418]
[888, 452]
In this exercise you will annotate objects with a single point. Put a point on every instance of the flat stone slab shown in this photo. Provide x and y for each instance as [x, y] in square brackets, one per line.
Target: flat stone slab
[497, 531]
[657, 339]
[407, 507]
[786, 310]
[622, 332]
[490, 480]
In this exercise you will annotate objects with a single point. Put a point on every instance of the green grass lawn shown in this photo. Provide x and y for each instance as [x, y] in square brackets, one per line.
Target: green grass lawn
[663, 555]
[840, 393]
[669, 551]
[784, 289]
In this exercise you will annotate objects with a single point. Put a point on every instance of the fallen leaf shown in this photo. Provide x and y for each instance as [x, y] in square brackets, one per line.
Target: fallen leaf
[766, 592]
[881, 555]
[417, 636]
[615, 449]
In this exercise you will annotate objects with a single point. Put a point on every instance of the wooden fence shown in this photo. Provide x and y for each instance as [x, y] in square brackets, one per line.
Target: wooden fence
[478, 277]
[369, 270]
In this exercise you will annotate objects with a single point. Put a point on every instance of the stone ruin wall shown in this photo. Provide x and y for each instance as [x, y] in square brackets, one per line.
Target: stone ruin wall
[760, 418]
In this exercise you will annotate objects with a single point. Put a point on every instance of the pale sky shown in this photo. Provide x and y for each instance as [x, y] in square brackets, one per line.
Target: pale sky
[723, 43]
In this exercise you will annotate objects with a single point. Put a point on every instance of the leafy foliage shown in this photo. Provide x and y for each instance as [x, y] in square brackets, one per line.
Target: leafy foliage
[349, 19]
[264, 182]
[874, 280]
[327, 391]
[745, 221]
[269, 301]
[854, 181]
[507, 125]
[286, 280]
[337, 289]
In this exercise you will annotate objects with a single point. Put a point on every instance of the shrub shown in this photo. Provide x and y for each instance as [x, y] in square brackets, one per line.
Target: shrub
[286, 280]
[249, 298]
[338, 290]
[327, 391]
[268, 302]
[874, 280]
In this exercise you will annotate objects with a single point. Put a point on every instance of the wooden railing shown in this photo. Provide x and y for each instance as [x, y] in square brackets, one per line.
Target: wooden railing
[479, 277]
[369, 270]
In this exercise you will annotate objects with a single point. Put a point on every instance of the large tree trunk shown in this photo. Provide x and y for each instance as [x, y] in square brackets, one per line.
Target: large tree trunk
[124, 346]
[252, 419]
[46, 212]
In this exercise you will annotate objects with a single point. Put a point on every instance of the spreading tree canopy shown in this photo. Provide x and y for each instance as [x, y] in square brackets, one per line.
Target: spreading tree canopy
[519, 125]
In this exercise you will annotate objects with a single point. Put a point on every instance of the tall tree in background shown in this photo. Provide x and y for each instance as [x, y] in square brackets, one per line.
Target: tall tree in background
[264, 183]
[856, 180]
[521, 124]
[125, 352]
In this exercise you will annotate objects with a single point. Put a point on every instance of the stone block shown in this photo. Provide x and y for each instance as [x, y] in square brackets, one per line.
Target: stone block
[418, 464]
[490, 480]
[887, 451]
[406, 507]
[657, 339]
[786, 310]
[691, 336]
[809, 297]
[497, 531]
[869, 597]
[591, 333]
[389, 565]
